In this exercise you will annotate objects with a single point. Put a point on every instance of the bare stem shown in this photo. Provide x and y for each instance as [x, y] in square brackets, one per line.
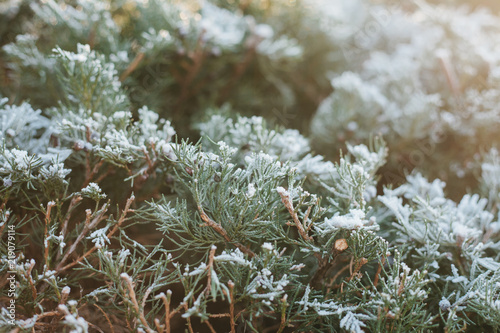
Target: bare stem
[210, 268]
[133, 299]
[221, 231]
[283, 314]
[377, 274]
[30, 279]
[358, 266]
[46, 242]
[109, 235]
[132, 66]
[210, 327]
[231, 306]
[107, 318]
[73, 203]
[289, 206]
[190, 326]
[89, 224]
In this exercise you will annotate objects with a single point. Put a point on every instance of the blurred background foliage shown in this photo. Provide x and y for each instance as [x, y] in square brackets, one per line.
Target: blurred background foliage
[421, 74]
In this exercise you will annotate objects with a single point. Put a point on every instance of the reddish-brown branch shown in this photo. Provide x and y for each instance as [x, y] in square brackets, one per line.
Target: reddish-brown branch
[210, 327]
[283, 314]
[133, 299]
[231, 306]
[30, 280]
[107, 318]
[210, 268]
[132, 66]
[332, 280]
[104, 175]
[166, 302]
[72, 205]
[45, 236]
[159, 326]
[358, 266]
[91, 173]
[89, 224]
[190, 326]
[379, 270]
[451, 77]
[197, 57]
[221, 231]
[48, 314]
[289, 206]
[145, 297]
[402, 284]
[239, 70]
[126, 210]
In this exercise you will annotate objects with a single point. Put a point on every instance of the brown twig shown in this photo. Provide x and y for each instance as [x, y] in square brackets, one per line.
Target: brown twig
[210, 327]
[107, 318]
[146, 172]
[146, 295]
[47, 314]
[210, 268]
[190, 326]
[159, 326]
[197, 57]
[46, 242]
[283, 314]
[166, 303]
[402, 284]
[177, 309]
[285, 198]
[148, 159]
[91, 173]
[97, 328]
[133, 299]
[132, 66]
[109, 235]
[239, 70]
[30, 280]
[221, 231]
[73, 203]
[332, 280]
[88, 225]
[231, 306]
[450, 74]
[379, 270]
[358, 266]
[110, 170]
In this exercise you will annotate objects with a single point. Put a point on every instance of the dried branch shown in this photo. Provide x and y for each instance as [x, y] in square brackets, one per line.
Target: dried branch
[109, 235]
[45, 236]
[132, 66]
[285, 198]
[133, 299]
[88, 225]
[231, 306]
[284, 306]
[210, 268]
[107, 318]
[379, 270]
[72, 205]
[221, 231]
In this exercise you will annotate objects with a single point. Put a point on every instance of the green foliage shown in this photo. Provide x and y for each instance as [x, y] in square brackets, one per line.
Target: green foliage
[112, 221]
